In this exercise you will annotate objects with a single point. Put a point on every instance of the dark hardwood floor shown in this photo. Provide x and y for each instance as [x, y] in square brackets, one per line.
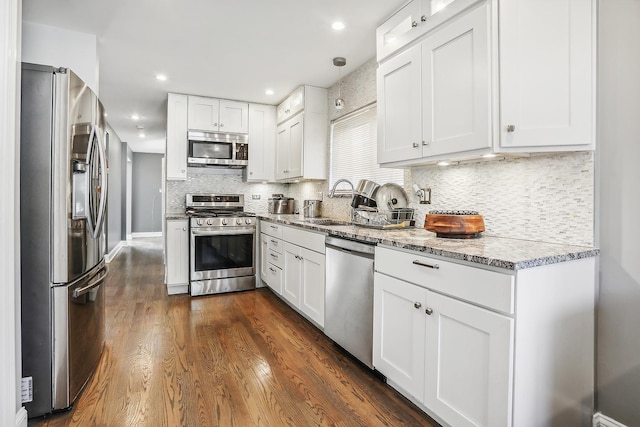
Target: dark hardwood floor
[239, 359]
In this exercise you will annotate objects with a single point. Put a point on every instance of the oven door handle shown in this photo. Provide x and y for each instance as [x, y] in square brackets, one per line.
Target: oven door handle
[225, 232]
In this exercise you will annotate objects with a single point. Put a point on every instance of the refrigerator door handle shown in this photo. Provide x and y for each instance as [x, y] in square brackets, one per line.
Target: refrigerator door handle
[95, 282]
[103, 183]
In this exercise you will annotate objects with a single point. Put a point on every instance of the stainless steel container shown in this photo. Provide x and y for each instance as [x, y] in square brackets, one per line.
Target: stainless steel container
[281, 205]
[312, 208]
[366, 188]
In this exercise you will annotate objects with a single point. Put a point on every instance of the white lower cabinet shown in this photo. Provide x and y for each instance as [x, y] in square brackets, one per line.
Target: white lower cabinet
[177, 256]
[293, 266]
[304, 281]
[455, 340]
[455, 360]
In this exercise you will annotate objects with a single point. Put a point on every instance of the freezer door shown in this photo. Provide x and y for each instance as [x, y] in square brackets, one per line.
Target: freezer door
[78, 335]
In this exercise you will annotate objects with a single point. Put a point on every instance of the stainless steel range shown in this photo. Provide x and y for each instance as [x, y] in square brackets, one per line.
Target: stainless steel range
[222, 243]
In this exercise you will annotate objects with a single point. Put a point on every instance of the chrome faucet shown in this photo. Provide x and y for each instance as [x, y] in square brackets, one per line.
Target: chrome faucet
[333, 191]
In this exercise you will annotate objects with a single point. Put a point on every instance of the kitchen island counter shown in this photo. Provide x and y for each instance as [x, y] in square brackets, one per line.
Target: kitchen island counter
[500, 252]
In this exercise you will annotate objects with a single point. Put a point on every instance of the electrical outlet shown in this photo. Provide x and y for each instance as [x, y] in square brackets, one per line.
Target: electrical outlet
[255, 197]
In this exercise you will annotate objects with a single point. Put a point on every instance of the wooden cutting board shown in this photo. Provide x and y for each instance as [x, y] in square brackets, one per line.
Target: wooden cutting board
[457, 224]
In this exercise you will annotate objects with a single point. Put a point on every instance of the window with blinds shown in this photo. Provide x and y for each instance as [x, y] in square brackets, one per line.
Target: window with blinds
[354, 151]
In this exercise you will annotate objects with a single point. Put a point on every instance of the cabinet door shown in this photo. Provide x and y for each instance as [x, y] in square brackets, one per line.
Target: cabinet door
[398, 30]
[455, 85]
[176, 154]
[296, 141]
[264, 254]
[313, 285]
[283, 140]
[399, 108]
[292, 274]
[203, 113]
[547, 74]
[262, 143]
[234, 116]
[177, 251]
[468, 368]
[398, 333]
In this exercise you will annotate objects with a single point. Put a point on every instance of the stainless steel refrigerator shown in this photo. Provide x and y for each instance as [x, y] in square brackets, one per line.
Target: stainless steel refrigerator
[63, 196]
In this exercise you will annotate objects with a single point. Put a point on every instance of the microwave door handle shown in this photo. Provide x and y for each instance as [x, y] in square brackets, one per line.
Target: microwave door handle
[103, 184]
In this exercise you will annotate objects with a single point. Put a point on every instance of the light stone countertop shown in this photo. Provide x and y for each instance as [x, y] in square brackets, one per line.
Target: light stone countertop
[175, 216]
[510, 254]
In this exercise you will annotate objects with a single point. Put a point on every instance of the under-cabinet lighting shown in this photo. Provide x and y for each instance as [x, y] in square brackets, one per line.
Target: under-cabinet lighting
[444, 163]
[488, 156]
[338, 26]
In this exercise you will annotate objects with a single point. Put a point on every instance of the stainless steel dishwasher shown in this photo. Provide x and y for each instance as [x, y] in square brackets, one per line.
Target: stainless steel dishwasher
[349, 296]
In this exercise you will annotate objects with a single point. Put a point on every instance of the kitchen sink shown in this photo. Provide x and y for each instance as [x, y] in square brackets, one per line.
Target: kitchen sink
[324, 221]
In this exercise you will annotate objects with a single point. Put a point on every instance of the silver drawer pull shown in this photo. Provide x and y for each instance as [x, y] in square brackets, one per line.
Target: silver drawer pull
[434, 266]
[272, 270]
[275, 227]
[275, 242]
[274, 256]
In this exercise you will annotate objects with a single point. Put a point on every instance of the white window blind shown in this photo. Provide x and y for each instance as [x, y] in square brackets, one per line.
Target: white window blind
[354, 151]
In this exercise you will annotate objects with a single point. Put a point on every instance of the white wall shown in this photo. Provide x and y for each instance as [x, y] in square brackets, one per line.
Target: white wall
[11, 411]
[618, 165]
[43, 44]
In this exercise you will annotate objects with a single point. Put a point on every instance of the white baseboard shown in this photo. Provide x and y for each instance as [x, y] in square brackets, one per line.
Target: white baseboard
[22, 418]
[111, 255]
[147, 234]
[177, 289]
[600, 420]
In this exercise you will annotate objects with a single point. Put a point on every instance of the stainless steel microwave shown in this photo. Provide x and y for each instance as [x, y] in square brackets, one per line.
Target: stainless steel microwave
[218, 149]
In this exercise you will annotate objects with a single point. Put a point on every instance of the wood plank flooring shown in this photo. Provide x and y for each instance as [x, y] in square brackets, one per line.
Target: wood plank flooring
[239, 359]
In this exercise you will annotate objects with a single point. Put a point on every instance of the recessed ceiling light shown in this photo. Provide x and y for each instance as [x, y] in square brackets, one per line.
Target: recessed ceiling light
[142, 135]
[134, 117]
[269, 92]
[161, 77]
[338, 25]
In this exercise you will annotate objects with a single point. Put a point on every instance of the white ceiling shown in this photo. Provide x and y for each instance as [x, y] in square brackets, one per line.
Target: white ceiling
[231, 49]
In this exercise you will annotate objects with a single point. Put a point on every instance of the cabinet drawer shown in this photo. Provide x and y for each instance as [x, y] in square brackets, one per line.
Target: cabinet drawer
[306, 239]
[274, 244]
[271, 228]
[476, 285]
[274, 278]
[275, 258]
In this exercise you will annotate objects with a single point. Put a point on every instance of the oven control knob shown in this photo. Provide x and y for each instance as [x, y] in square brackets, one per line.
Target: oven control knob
[248, 221]
[239, 221]
[200, 221]
[209, 221]
[224, 221]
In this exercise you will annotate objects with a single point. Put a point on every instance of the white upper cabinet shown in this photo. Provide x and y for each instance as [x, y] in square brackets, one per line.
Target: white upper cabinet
[218, 115]
[176, 152]
[301, 139]
[547, 75]
[434, 98]
[493, 76]
[262, 143]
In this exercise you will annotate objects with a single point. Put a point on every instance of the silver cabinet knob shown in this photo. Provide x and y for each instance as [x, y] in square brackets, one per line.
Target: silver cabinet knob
[215, 124]
[423, 18]
[417, 305]
[511, 128]
[425, 143]
[414, 24]
[184, 228]
[429, 311]
[221, 125]
[416, 145]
